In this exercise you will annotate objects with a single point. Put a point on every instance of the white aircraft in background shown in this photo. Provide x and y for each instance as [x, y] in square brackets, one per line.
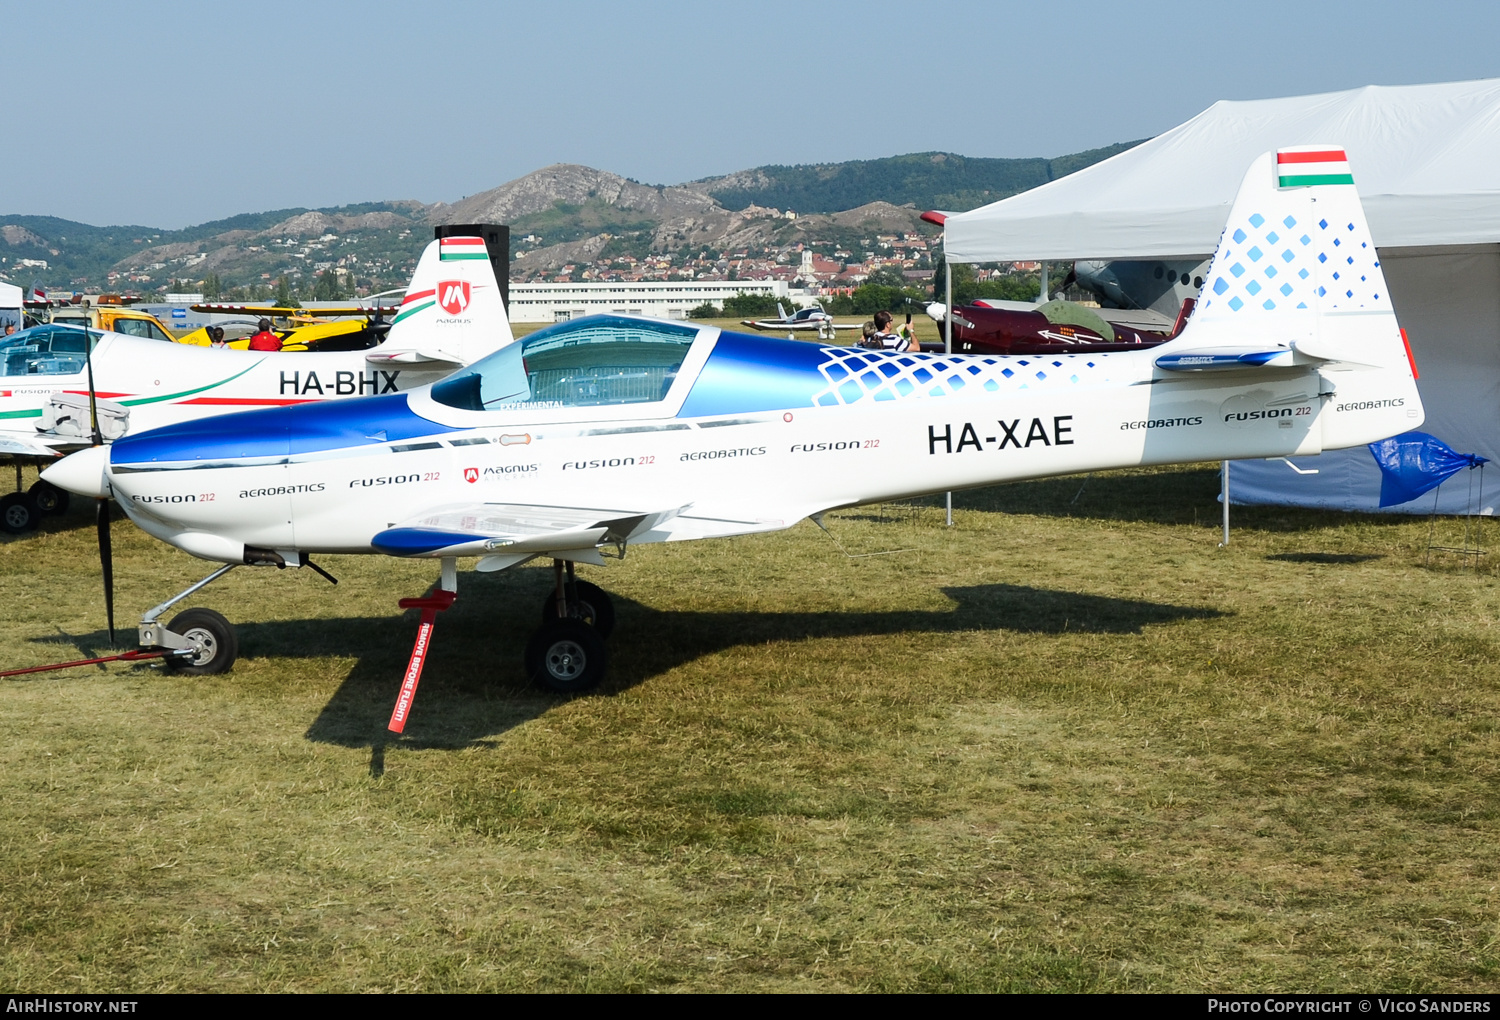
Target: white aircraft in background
[809, 319]
[605, 432]
[452, 315]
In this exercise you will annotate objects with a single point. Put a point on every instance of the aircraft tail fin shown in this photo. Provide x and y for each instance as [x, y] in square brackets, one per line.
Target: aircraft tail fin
[1296, 281]
[1296, 265]
[453, 311]
[781, 311]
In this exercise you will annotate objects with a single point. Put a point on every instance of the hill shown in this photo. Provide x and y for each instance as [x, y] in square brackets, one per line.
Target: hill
[928, 180]
[570, 213]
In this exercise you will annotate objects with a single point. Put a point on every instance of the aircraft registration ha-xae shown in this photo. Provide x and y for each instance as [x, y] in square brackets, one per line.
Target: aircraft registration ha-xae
[597, 434]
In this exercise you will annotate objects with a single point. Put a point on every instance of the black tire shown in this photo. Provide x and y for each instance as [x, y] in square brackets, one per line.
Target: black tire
[52, 501]
[566, 657]
[592, 606]
[19, 513]
[220, 644]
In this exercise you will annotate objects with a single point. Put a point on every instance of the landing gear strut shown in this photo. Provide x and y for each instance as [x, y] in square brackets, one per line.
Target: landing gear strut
[206, 641]
[579, 600]
[210, 637]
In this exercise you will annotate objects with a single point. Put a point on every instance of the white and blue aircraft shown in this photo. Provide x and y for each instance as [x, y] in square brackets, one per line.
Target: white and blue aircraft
[605, 432]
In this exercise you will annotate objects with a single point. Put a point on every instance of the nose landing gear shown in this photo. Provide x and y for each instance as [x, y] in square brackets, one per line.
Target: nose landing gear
[203, 641]
[211, 639]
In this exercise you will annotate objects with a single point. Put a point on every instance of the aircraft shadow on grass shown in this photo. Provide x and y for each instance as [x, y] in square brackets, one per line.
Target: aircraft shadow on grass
[1330, 559]
[473, 688]
[1165, 497]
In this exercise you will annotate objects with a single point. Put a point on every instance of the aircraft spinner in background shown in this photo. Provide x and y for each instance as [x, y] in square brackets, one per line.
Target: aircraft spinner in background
[594, 435]
[452, 315]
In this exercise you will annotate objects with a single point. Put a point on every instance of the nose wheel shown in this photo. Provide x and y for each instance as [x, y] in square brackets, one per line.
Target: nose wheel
[209, 638]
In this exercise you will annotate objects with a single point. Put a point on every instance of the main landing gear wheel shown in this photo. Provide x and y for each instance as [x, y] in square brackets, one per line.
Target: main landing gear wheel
[52, 501]
[213, 638]
[19, 513]
[566, 657]
[587, 603]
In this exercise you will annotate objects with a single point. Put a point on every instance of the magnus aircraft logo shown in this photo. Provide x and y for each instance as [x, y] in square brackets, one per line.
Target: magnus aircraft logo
[471, 475]
[453, 295]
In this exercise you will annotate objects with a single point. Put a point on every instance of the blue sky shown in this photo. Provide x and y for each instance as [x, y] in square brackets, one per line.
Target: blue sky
[166, 114]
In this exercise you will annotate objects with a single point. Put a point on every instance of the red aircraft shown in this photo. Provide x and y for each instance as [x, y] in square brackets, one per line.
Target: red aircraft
[1056, 327]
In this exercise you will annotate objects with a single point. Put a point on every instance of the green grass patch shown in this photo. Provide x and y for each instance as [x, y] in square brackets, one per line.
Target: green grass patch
[1067, 744]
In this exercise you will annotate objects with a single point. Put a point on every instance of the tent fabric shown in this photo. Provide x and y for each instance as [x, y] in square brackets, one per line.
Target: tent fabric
[1426, 160]
[1414, 463]
[1448, 299]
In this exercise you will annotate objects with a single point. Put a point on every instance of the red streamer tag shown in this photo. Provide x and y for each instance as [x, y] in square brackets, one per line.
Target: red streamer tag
[413, 673]
[430, 607]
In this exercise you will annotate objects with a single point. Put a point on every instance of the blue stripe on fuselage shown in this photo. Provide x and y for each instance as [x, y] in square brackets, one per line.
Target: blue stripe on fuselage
[279, 431]
[755, 373]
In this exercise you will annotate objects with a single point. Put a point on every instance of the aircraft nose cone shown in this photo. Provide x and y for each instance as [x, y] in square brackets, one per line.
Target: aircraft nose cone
[84, 473]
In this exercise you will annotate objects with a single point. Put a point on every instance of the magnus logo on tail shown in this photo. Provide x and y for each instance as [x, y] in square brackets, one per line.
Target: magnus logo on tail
[453, 296]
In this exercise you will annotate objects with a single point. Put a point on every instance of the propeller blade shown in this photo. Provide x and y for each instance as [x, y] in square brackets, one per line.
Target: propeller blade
[107, 562]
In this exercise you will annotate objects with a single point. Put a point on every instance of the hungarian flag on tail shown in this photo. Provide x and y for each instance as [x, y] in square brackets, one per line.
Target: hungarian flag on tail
[1312, 165]
[454, 249]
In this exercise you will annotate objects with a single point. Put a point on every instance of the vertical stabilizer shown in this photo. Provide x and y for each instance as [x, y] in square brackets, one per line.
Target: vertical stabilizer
[1296, 282]
[1296, 265]
[453, 311]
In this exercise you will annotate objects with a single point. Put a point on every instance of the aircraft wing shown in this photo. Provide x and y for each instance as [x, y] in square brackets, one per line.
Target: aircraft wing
[775, 325]
[277, 312]
[515, 532]
[13, 445]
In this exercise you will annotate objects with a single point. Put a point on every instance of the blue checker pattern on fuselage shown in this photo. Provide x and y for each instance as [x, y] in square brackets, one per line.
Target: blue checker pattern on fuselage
[746, 373]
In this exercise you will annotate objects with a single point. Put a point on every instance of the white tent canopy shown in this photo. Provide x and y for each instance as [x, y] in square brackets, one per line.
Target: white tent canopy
[1426, 159]
[10, 306]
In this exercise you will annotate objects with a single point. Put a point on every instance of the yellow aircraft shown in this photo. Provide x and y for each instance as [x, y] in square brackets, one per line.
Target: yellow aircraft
[300, 329]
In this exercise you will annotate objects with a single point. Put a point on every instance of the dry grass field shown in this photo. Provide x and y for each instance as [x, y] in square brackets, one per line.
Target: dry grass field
[1067, 744]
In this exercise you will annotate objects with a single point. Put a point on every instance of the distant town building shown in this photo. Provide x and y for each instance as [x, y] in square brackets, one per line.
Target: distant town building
[661, 299]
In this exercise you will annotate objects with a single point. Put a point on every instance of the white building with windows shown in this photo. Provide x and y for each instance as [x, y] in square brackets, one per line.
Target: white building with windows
[661, 299]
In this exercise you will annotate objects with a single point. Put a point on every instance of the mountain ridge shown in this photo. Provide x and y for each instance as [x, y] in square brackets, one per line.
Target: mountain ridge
[569, 212]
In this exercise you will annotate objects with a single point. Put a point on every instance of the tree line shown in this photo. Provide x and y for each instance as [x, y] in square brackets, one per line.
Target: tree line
[885, 290]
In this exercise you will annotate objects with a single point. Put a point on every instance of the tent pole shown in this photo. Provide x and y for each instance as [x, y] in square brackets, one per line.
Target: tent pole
[1224, 469]
[948, 337]
[1042, 294]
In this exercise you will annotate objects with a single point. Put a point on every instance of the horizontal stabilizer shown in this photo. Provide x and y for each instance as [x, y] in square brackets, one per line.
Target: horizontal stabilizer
[1221, 359]
[379, 356]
